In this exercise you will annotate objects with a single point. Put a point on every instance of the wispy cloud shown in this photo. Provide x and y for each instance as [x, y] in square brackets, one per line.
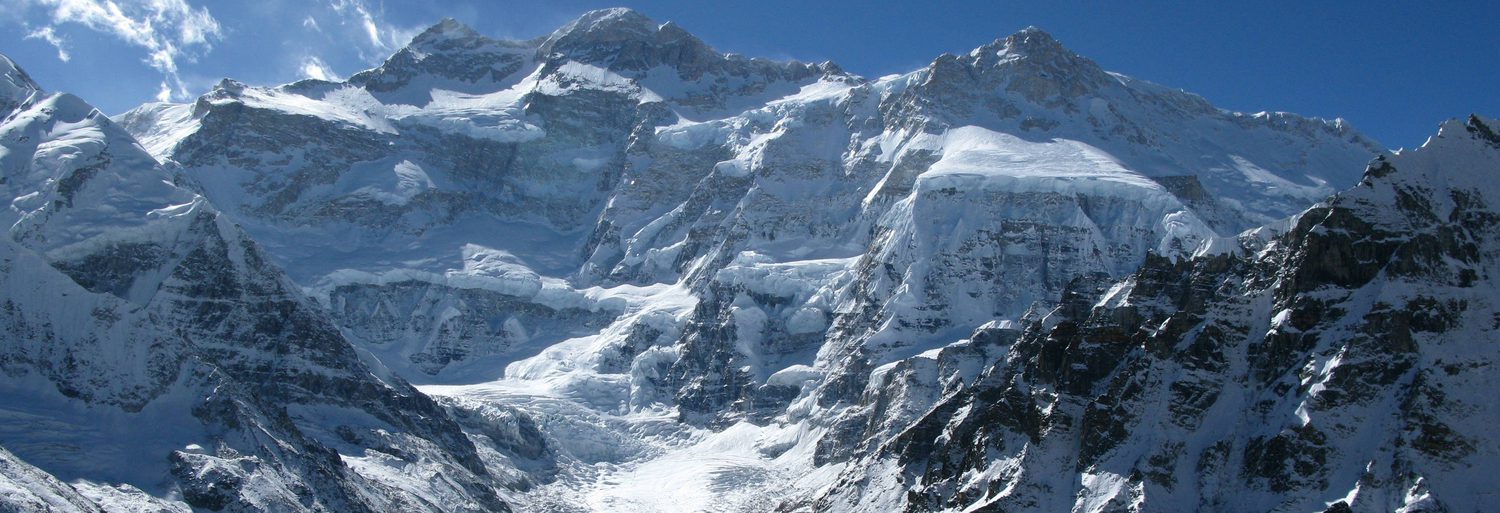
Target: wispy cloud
[380, 37]
[49, 35]
[168, 30]
[313, 67]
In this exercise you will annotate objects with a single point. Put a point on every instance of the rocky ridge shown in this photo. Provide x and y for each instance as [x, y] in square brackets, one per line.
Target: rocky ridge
[1338, 366]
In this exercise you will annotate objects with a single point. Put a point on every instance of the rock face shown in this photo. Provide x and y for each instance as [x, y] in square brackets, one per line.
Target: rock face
[1340, 364]
[455, 324]
[154, 351]
[1009, 280]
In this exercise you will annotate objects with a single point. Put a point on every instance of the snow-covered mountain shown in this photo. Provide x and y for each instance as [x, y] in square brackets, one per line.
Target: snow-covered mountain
[155, 360]
[626, 264]
[619, 151]
[1340, 365]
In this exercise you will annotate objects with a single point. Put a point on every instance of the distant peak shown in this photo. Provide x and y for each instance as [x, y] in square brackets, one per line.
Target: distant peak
[446, 30]
[621, 37]
[230, 86]
[1030, 42]
[1033, 39]
[617, 16]
[1033, 51]
[1030, 62]
[613, 24]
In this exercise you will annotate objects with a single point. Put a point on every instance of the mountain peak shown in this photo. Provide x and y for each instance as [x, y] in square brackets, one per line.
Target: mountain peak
[615, 18]
[604, 25]
[445, 30]
[1464, 130]
[1030, 62]
[15, 85]
[625, 39]
[1032, 39]
[1030, 43]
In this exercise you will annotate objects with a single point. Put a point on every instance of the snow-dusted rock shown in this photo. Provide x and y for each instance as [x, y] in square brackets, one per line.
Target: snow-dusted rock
[1340, 366]
[155, 358]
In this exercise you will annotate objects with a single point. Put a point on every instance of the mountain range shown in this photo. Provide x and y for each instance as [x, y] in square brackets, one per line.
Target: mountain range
[614, 269]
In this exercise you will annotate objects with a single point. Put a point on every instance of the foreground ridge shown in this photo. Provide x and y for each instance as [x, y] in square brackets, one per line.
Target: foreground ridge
[1338, 364]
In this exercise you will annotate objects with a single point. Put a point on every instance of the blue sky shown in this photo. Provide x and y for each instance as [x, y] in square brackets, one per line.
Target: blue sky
[1393, 69]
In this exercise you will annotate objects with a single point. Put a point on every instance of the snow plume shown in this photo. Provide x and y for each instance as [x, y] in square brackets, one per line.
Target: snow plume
[313, 67]
[378, 37]
[167, 29]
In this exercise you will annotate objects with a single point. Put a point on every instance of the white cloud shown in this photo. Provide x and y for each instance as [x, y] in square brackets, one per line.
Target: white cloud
[356, 12]
[167, 30]
[310, 23]
[50, 36]
[380, 37]
[313, 67]
[165, 93]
